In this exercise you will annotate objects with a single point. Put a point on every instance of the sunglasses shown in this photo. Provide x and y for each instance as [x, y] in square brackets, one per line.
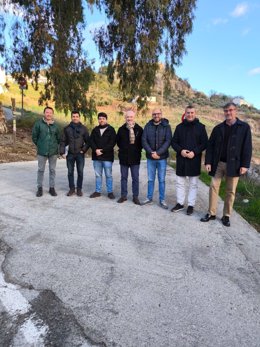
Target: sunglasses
[155, 114]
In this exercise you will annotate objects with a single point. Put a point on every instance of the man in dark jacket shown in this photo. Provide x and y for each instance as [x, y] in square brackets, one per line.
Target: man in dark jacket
[129, 141]
[228, 155]
[76, 137]
[156, 140]
[102, 141]
[46, 136]
[189, 141]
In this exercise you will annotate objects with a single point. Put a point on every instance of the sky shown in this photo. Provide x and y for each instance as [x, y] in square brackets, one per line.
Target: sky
[223, 53]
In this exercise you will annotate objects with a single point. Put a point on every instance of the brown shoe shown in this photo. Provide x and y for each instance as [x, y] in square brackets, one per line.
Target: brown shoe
[136, 201]
[111, 196]
[95, 195]
[122, 199]
[71, 192]
[79, 192]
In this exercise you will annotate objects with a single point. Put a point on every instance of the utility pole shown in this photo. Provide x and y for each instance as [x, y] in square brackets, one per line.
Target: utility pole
[14, 121]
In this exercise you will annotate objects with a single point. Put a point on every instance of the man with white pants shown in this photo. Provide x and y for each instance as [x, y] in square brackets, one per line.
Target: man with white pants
[189, 141]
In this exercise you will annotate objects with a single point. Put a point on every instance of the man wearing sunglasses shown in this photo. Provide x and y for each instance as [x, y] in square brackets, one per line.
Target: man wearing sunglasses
[228, 155]
[156, 140]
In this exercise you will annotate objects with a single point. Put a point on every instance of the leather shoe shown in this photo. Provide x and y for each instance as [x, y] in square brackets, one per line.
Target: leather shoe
[207, 218]
[121, 199]
[136, 201]
[225, 221]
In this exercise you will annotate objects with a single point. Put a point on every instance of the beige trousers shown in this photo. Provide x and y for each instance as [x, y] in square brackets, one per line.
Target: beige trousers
[231, 185]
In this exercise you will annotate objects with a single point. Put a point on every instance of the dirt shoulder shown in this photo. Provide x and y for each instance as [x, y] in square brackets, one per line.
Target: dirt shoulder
[24, 149]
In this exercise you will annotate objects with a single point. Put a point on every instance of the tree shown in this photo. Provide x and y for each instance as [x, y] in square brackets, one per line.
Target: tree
[138, 35]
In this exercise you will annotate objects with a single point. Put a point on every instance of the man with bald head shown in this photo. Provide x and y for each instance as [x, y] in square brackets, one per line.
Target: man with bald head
[156, 140]
[129, 141]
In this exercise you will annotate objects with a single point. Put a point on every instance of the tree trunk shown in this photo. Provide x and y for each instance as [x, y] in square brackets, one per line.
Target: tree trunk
[3, 126]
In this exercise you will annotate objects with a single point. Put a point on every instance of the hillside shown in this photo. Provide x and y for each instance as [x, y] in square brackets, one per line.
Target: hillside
[108, 99]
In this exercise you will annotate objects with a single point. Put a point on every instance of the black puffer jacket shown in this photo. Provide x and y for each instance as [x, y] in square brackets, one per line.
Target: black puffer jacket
[157, 138]
[193, 137]
[76, 137]
[106, 142]
[239, 149]
[129, 154]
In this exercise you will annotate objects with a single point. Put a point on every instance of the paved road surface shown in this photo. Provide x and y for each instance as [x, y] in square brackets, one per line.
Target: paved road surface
[91, 272]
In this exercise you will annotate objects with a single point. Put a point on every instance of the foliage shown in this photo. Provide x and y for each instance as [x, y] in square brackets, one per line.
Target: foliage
[49, 36]
[137, 34]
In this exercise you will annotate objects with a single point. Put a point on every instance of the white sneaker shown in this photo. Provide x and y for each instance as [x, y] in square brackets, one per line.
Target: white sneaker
[147, 201]
[163, 204]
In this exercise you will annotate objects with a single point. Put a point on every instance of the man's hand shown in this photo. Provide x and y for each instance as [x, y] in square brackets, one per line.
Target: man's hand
[64, 156]
[208, 167]
[99, 152]
[184, 153]
[243, 170]
[190, 155]
[155, 155]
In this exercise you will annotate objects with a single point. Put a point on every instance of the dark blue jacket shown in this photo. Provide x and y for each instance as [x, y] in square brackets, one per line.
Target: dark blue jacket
[193, 137]
[239, 149]
[157, 138]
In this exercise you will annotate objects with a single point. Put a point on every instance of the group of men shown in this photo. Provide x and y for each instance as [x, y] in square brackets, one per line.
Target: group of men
[228, 154]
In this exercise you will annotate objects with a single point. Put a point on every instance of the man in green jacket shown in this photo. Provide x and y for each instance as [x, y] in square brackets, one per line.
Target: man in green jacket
[46, 137]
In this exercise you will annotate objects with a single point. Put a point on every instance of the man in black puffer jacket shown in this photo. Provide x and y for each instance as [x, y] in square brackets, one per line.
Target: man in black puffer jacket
[76, 137]
[156, 140]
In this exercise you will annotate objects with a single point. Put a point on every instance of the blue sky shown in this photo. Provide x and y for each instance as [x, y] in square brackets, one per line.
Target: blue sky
[223, 53]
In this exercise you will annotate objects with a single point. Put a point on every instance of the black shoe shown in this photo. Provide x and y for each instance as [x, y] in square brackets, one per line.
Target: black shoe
[178, 207]
[207, 218]
[39, 192]
[95, 195]
[136, 201]
[189, 210]
[71, 192]
[122, 199]
[52, 191]
[225, 221]
[111, 196]
[79, 192]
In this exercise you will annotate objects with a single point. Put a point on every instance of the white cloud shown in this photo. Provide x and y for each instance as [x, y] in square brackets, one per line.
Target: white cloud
[240, 10]
[217, 21]
[255, 71]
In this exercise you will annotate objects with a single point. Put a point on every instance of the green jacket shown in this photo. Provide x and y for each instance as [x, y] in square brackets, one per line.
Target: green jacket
[46, 138]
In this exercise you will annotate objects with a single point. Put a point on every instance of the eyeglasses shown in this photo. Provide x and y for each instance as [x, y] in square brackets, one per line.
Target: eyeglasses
[155, 114]
[229, 110]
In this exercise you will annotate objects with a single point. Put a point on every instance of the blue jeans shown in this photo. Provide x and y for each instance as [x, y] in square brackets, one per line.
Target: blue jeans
[135, 179]
[160, 165]
[79, 159]
[98, 167]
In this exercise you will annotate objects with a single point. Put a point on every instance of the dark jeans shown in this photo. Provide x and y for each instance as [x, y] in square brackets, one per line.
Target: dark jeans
[135, 179]
[80, 162]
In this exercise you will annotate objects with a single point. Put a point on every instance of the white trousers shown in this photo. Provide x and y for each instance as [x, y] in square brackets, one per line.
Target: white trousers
[181, 189]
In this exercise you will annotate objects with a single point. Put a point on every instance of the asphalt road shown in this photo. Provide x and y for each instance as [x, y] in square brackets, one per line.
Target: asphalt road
[92, 272]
